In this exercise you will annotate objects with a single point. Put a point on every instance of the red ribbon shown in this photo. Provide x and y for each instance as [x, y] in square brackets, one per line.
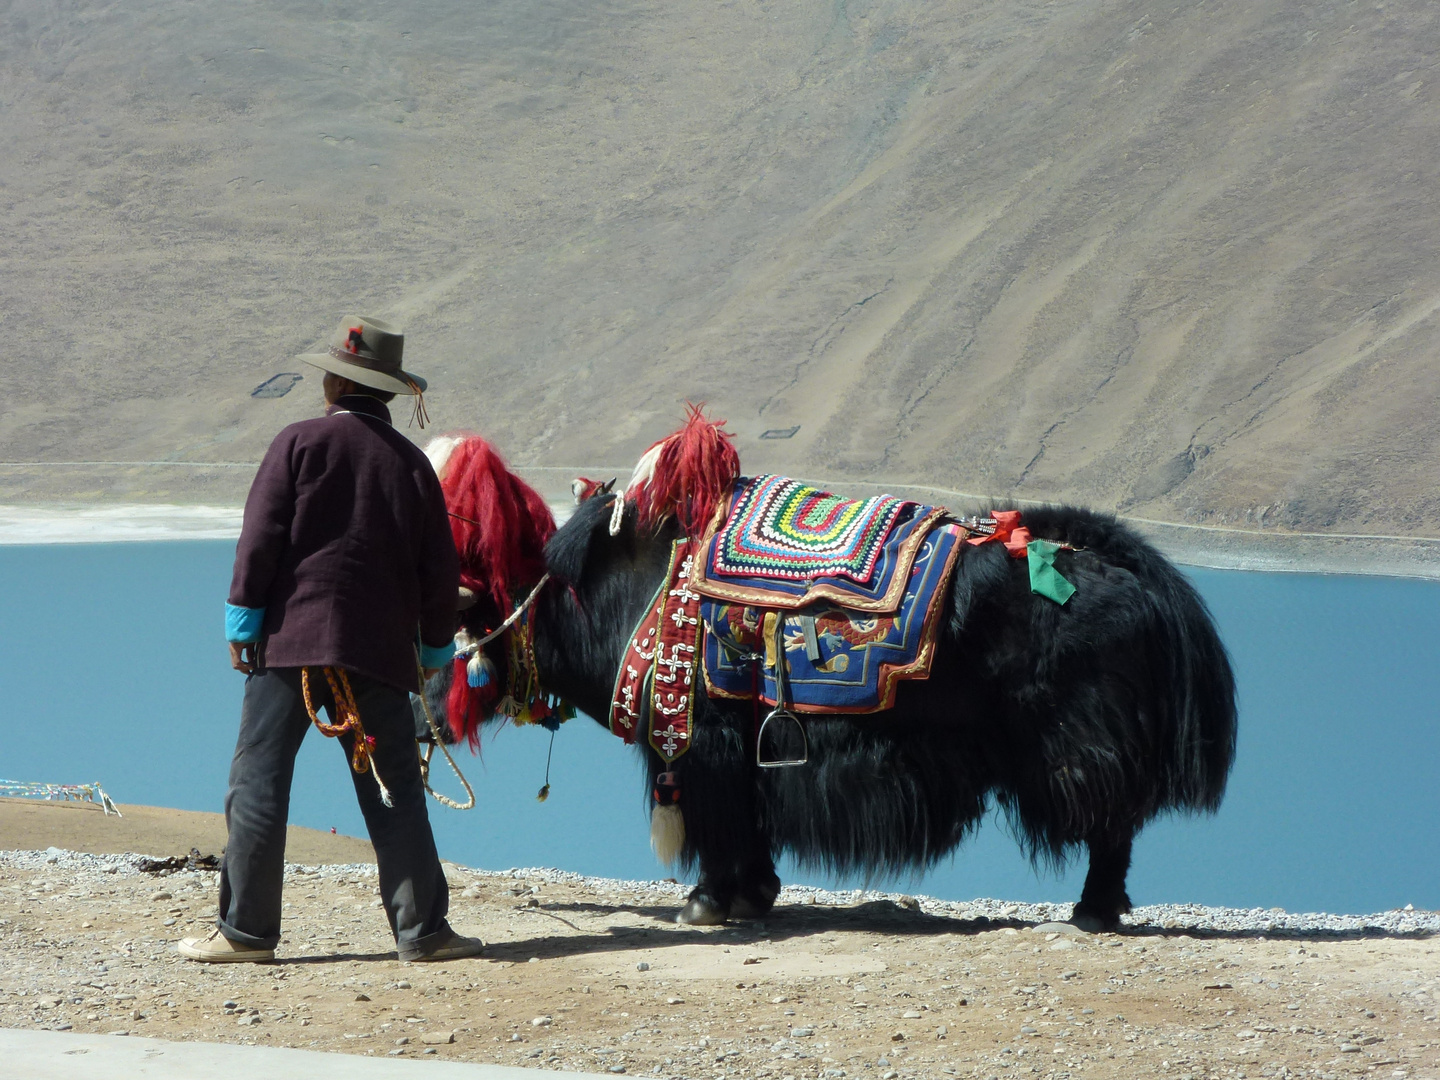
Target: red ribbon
[1008, 531]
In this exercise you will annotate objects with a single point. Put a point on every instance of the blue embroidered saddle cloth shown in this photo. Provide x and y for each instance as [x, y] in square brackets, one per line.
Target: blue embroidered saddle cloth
[785, 545]
[838, 660]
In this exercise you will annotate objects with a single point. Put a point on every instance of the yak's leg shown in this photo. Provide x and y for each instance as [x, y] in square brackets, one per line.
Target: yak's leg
[710, 901]
[722, 826]
[759, 885]
[1103, 900]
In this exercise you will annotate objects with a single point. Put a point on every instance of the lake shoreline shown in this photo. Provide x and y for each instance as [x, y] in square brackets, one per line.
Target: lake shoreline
[1208, 547]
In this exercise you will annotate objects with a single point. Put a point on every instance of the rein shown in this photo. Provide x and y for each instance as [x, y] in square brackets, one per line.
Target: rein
[474, 646]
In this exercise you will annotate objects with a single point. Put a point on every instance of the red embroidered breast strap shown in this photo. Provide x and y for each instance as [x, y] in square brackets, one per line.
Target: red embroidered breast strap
[656, 684]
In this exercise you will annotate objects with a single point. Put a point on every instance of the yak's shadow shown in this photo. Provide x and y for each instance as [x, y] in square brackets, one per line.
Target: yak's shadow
[800, 921]
[795, 921]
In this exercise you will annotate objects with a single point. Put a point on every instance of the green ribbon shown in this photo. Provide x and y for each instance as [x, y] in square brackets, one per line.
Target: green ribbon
[1044, 578]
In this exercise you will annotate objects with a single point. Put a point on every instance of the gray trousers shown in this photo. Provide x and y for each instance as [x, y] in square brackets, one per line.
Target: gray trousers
[273, 722]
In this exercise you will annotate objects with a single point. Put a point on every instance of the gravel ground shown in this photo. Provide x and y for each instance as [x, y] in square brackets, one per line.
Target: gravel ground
[590, 974]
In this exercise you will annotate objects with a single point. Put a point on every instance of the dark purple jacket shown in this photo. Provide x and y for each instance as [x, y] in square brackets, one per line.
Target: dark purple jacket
[346, 545]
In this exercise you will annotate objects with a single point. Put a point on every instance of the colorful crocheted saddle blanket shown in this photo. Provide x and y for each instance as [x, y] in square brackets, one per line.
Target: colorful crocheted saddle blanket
[838, 660]
[783, 544]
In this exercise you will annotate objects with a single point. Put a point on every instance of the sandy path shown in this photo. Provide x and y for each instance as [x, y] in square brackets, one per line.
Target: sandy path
[27, 824]
[592, 975]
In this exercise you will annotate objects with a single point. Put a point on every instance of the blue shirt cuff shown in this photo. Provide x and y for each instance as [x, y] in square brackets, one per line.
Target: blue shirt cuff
[433, 656]
[243, 624]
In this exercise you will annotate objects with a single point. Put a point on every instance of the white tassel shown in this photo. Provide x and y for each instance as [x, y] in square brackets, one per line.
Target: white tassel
[439, 449]
[667, 833]
[645, 468]
[639, 480]
[479, 671]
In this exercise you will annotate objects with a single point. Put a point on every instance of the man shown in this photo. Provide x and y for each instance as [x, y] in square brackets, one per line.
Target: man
[344, 555]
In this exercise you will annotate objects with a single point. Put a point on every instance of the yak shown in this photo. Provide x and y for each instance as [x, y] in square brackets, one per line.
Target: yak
[1082, 722]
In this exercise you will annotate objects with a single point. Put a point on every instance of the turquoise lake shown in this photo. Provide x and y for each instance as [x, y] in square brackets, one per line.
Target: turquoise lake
[113, 668]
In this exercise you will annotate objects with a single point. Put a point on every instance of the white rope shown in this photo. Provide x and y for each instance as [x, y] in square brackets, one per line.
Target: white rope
[469, 650]
[425, 755]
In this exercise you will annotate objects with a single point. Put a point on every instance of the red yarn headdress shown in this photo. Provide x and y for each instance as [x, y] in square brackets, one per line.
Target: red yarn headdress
[686, 474]
[500, 523]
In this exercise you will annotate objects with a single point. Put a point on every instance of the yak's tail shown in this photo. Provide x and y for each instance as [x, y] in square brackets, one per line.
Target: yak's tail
[1191, 709]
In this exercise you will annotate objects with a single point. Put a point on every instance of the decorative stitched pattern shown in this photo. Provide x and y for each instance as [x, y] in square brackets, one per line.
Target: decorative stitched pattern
[781, 528]
[780, 544]
[846, 661]
[658, 678]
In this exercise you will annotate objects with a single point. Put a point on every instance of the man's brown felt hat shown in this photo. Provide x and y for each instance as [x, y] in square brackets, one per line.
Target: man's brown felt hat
[368, 352]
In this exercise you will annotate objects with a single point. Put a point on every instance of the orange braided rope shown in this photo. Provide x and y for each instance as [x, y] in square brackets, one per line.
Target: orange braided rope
[348, 719]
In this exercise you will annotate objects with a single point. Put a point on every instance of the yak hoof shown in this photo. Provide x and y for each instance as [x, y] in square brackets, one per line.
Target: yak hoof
[1096, 920]
[702, 911]
[756, 901]
[745, 908]
[1091, 924]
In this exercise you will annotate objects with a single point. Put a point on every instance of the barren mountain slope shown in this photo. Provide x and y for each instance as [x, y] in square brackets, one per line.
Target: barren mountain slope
[1178, 260]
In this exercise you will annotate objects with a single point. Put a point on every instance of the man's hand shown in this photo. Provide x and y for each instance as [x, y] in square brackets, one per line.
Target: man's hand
[242, 656]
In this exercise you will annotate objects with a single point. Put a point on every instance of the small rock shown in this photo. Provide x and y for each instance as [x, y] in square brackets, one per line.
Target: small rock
[515, 1037]
[246, 1021]
[230, 1005]
[781, 1000]
[541, 1021]
[1067, 975]
[161, 896]
[642, 966]
[801, 1032]
[1349, 1048]
[362, 997]
[438, 1038]
[404, 1040]
[430, 1050]
[882, 1062]
[675, 1001]
[910, 1014]
[1062, 945]
[1369, 1040]
[402, 985]
[899, 1036]
[1028, 1031]
[616, 1069]
[1065, 928]
[471, 892]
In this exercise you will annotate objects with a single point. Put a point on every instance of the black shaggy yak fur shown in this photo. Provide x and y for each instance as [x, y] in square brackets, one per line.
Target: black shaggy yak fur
[1083, 721]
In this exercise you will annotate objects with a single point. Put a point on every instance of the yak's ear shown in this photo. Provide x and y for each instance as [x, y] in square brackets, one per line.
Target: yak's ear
[568, 551]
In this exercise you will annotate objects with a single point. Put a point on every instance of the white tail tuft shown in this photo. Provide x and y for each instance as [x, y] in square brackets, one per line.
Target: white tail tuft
[667, 833]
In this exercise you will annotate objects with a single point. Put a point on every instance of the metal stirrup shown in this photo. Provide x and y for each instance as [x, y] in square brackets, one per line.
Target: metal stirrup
[780, 712]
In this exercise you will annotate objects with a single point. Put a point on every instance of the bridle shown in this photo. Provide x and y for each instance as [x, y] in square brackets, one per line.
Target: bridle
[514, 617]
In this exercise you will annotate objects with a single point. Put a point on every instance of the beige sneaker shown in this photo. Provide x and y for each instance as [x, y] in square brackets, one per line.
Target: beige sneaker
[216, 948]
[453, 947]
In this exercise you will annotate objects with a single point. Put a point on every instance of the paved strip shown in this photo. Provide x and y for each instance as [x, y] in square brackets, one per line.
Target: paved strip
[44, 1055]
